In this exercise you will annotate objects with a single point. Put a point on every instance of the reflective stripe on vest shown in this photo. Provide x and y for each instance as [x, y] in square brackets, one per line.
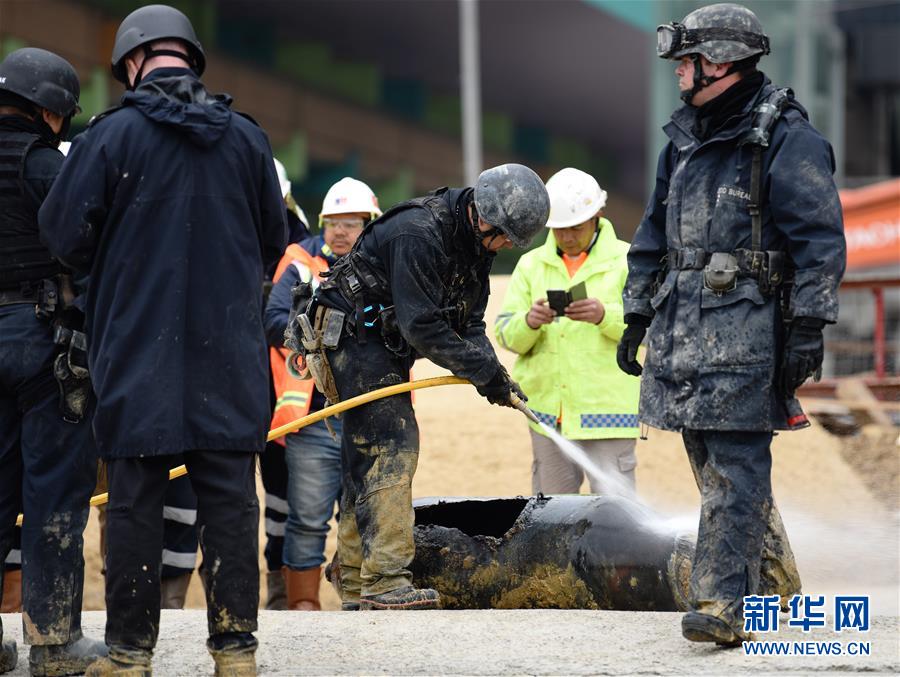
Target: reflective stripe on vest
[293, 396]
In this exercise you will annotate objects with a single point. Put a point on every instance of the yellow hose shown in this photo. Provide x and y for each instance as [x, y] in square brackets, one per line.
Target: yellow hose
[320, 415]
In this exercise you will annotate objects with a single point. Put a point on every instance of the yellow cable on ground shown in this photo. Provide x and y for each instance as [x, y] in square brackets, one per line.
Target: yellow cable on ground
[320, 415]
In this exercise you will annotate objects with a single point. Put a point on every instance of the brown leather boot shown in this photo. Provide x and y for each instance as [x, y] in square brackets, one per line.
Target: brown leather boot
[302, 589]
[12, 592]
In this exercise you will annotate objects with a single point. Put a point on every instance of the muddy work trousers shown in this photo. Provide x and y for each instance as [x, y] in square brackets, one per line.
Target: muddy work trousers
[48, 469]
[227, 524]
[379, 451]
[742, 548]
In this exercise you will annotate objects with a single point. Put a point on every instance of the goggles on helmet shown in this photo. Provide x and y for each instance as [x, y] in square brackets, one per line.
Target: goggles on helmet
[674, 37]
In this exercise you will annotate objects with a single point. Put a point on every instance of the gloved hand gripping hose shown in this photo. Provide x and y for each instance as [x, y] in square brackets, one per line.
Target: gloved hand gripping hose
[519, 404]
[317, 416]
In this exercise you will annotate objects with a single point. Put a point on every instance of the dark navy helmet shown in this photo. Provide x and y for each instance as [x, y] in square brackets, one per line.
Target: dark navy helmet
[149, 24]
[42, 78]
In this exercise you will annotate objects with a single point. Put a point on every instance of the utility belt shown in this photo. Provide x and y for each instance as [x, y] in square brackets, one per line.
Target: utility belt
[44, 294]
[721, 270]
[10, 297]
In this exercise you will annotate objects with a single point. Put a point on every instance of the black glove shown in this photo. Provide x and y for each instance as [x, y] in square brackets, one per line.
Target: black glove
[626, 354]
[499, 388]
[804, 351]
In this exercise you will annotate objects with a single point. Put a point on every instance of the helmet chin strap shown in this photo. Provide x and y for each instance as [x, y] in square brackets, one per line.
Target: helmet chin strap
[493, 232]
[149, 54]
[701, 81]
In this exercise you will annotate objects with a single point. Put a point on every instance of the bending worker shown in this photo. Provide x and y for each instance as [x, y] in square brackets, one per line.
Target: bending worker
[733, 272]
[171, 203]
[48, 460]
[567, 364]
[313, 456]
[414, 285]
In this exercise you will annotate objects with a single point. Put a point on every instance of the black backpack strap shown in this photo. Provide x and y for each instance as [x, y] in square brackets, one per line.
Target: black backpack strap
[765, 115]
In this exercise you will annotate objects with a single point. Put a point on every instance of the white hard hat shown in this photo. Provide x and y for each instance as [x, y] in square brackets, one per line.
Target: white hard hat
[64, 147]
[349, 196]
[575, 197]
[282, 178]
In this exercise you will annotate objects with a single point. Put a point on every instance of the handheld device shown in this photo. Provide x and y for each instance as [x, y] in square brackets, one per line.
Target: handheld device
[558, 299]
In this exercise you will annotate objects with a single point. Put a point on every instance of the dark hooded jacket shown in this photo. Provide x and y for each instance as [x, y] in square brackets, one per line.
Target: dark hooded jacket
[436, 275]
[712, 358]
[171, 204]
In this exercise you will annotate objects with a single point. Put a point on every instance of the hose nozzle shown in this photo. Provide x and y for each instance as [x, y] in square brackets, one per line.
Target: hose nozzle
[519, 404]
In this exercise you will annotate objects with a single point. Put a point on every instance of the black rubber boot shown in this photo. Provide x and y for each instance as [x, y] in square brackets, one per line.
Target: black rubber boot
[122, 662]
[349, 606]
[406, 598]
[8, 655]
[72, 658]
[698, 627]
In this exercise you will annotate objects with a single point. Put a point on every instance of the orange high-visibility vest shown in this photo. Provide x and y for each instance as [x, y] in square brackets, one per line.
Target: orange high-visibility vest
[293, 396]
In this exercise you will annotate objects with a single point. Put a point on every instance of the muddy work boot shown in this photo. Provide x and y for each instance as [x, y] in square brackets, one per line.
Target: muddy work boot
[234, 654]
[406, 598]
[72, 658]
[122, 662]
[8, 655]
[699, 627]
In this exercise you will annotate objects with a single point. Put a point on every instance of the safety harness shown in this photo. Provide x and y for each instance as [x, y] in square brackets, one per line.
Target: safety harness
[364, 286]
[768, 268]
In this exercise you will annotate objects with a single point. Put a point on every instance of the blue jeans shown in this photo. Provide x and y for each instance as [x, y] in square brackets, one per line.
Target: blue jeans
[314, 486]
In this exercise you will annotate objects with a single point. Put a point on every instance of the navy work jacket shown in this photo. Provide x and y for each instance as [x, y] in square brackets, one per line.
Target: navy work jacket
[711, 358]
[171, 204]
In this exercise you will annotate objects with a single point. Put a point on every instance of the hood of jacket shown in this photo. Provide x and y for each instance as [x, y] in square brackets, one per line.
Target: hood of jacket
[175, 97]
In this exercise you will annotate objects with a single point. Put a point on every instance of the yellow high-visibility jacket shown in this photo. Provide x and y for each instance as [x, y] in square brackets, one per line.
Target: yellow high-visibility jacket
[567, 368]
